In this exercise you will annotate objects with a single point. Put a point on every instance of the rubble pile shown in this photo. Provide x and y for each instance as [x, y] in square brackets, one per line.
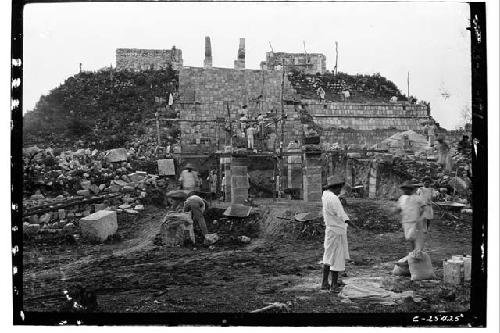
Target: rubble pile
[223, 230]
[451, 185]
[106, 107]
[62, 187]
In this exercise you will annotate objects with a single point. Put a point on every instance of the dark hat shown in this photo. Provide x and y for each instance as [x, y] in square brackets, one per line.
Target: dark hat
[407, 184]
[334, 180]
[178, 195]
[189, 166]
[426, 179]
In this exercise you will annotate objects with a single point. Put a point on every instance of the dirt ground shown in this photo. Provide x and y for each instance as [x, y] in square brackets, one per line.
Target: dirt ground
[280, 264]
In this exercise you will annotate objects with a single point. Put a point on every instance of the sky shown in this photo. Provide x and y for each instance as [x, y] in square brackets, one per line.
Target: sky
[427, 39]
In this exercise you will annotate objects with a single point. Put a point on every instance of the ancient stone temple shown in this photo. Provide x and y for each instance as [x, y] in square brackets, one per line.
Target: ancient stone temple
[309, 63]
[143, 59]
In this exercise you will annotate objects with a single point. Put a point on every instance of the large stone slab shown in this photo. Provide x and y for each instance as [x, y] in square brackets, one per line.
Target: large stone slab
[166, 167]
[99, 226]
[116, 155]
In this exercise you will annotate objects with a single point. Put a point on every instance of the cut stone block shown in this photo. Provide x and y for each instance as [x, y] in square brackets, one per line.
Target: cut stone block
[94, 188]
[137, 176]
[115, 188]
[239, 181]
[99, 226]
[98, 207]
[116, 155]
[85, 193]
[34, 219]
[166, 167]
[85, 184]
[30, 228]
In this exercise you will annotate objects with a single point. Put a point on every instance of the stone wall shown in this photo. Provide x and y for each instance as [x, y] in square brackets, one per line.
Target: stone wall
[203, 95]
[142, 59]
[310, 63]
[367, 116]
[356, 138]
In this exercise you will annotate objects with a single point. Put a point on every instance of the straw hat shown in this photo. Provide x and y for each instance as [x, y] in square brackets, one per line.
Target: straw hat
[407, 184]
[427, 178]
[189, 166]
[334, 180]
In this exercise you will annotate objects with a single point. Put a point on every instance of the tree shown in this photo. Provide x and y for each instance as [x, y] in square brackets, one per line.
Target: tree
[465, 116]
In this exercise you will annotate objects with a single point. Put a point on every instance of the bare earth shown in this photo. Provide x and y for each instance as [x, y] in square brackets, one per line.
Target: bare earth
[135, 275]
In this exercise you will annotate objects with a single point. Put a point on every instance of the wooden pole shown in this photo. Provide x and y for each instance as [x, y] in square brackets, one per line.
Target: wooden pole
[408, 81]
[158, 128]
[336, 57]
[282, 140]
[230, 125]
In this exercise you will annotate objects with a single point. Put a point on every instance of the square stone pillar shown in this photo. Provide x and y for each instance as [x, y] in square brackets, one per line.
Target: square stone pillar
[373, 181]
[239, 179]
[312, 179]
[294, 170]
[239, 63]
[207, 63]
[225, 163]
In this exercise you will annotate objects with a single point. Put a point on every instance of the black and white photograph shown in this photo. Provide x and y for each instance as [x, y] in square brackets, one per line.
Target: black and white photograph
[250, 163]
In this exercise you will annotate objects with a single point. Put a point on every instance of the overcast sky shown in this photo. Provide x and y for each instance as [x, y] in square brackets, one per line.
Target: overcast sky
[428, 40]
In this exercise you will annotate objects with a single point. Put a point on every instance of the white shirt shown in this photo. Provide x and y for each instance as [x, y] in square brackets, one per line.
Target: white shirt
[333, 213]
[425, 194]
[250, 132]
[189, 179]
[410, 207]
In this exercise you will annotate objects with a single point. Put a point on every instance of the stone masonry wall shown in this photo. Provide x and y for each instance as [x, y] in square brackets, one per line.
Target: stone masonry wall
[356, 138]
[142, 59]
[310, 63]
[204, 91]
[368, 116]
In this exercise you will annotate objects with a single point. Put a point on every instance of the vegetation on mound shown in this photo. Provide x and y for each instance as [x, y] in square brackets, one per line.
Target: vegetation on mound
[107, 107]
[362, 88]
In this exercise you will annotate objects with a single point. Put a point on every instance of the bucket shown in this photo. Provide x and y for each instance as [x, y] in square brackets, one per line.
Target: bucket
[453, 271]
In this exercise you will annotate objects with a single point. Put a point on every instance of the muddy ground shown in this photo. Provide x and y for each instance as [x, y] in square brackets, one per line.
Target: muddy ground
[280, 264]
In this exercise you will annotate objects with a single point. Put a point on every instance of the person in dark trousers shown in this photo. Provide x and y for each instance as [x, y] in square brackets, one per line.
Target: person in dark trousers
[196, 206]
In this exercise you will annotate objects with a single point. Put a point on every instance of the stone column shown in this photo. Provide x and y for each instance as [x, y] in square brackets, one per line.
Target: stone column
[207, 63]
[239, 179]
[294, 169]
[312, 181]
[239, 63]
[372, 185]
[226, 168]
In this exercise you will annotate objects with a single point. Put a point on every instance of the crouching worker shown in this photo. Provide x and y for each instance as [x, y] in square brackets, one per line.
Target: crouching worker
[336, 247]
[175, 201]
[196, 206]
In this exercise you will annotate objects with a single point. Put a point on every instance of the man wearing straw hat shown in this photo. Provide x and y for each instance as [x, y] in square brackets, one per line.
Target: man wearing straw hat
[335, 244]
[411, 208]
[189, 178]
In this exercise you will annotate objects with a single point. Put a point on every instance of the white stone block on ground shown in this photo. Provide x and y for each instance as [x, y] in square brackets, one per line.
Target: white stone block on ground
[116, 155]
[99, 226]
[166, 167]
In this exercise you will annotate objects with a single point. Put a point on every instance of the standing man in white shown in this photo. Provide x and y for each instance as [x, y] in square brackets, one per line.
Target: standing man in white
[336, 247]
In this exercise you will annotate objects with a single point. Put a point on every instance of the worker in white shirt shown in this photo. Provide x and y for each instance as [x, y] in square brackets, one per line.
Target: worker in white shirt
[189, 179]
[250, 137]
[335, 244]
